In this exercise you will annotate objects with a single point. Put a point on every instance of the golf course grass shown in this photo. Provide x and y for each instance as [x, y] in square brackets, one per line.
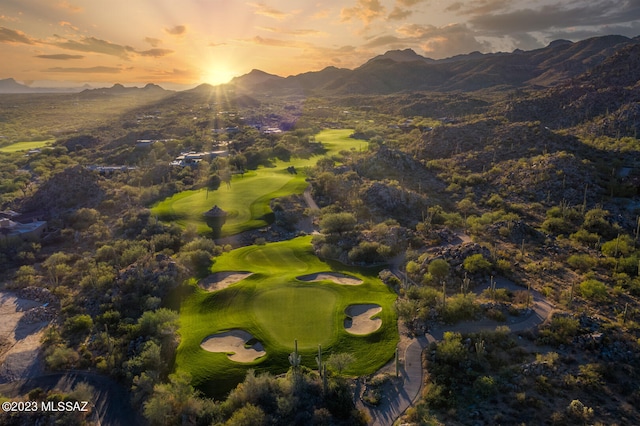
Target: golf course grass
[276, 308]
[26, 146]
[247, 199]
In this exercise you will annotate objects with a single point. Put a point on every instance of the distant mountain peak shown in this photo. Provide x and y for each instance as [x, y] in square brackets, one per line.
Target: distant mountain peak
[406, 55]
[560, 42]
[254, 77]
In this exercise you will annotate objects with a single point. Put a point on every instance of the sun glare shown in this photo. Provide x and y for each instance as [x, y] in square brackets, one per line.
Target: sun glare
[219, 74]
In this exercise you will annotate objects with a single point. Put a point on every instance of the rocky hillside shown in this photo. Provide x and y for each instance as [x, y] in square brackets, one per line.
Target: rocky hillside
[403, 71]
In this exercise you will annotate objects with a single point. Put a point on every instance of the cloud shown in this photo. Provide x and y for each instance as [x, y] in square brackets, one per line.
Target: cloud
[90, 70]
[556, 16]
[275, 42]
[95, 45]
[409, 3]
[69, 7]
[384, 41]
[451, 40]
[155, 53]
[68, 24]
[13, 36]
[60, 57]
[399, 14]
[175, 75]
[212, 44]
[8, 18]
[177, 30]
[264, 10]
[478, 7]
[298, 32]
[437, 42]
[366, 11]
[154, 42]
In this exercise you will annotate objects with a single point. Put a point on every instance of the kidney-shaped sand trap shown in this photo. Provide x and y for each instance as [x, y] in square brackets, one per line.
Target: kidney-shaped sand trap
[233, 343]
[221, 280]
[359, 319]
[336, 277]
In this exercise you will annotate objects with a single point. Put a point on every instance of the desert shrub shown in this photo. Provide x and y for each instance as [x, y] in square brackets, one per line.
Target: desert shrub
[560, 330]
[83, 218]
[369, 252]
[78, 324]
[438, 270]
[620, 246]
[556, 225]
[476, 263]
[451, 350]
[62, 357]
[576, 410]
[485, 386]
[337, 222]
[460, 307]
[581, 262]
[585, 237]
[593, 290]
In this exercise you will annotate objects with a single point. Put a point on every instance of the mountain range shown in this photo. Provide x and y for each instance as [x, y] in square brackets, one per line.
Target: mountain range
[406, 71]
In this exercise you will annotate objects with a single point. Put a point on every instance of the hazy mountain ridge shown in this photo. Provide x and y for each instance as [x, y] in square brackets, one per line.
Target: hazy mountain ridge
[405, 70]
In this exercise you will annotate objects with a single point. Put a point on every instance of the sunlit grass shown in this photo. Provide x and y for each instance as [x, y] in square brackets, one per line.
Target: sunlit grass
[247, 199]
[277, 308]
[26, 146]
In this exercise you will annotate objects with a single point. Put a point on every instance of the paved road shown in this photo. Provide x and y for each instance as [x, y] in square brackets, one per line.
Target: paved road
[406, 392]
[309, 199]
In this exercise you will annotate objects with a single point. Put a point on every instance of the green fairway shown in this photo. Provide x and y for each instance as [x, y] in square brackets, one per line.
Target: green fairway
[26, 146]
[247, 199]
[276, 308]
[309, 315]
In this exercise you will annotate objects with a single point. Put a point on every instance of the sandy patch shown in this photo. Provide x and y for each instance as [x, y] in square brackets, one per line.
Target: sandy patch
[359, 319]
[221, 280]
[233, 344]
[19, 339]
[336, 277]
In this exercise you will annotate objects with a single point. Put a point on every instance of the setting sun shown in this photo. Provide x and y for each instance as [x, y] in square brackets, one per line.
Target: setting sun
[218, 74]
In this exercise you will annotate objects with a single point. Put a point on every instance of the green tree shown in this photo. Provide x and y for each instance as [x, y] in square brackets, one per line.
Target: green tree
[337, 223]
[476, 263]
[438, 269]
[593, 290]
[57, 268]
[340, 361]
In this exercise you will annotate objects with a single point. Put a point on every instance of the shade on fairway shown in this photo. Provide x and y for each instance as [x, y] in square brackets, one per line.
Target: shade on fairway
[276, 308]
[247, 199]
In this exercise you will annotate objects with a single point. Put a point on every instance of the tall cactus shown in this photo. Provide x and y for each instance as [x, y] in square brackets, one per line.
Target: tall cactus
[480, 349]
[294, 358]
[319, 359]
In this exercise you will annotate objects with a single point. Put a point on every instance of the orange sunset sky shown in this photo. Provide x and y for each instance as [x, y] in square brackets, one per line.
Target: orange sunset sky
[186, 42]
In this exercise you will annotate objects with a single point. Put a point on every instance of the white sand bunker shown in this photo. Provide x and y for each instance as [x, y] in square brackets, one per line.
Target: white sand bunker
[221, 280]
[336, 277]
[234, 344]
[359, 319]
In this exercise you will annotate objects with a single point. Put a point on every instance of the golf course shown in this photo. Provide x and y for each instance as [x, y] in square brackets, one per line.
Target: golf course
[260, 299]
[26, 146]
[254, 322]
[246, 200]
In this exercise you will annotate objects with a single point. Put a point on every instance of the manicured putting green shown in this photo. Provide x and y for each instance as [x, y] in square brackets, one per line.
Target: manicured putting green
[276, 307]
[247, 199]
[304, 313]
